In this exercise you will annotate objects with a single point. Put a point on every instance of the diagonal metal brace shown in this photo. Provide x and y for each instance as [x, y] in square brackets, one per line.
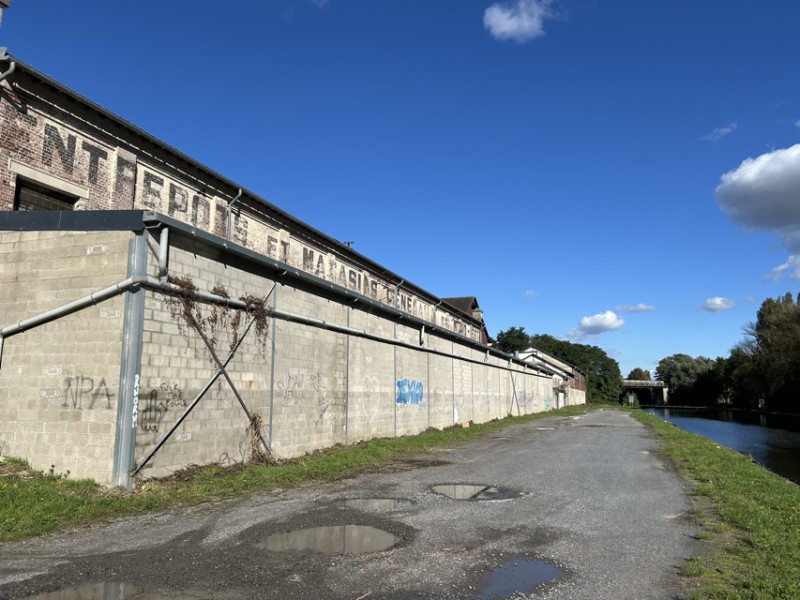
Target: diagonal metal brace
[192, 404]
[220, 371]
[514, 391]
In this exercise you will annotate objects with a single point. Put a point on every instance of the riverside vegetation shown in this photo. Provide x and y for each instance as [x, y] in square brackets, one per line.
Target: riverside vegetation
[750, 520]
[750, 517]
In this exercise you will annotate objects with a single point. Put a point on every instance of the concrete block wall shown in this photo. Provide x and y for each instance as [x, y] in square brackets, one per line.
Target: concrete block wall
[324, 371]
[372, 389]
[177, 365]
[59, 382]
[310, 379]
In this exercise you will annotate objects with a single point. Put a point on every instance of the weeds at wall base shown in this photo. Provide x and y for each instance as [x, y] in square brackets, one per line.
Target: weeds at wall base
[33, 503]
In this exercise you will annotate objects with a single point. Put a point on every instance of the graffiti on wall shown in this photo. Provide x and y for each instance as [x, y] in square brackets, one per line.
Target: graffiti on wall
[157, 403]
[84, 393]
[300, 386]
[309, 389]
[151, 413]
[409, 392]
[525, 400]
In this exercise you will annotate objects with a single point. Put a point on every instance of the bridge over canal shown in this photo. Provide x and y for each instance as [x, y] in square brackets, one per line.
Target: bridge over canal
[647, 392]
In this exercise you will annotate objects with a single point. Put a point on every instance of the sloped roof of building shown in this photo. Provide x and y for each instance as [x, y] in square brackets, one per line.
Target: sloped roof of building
[466, 304]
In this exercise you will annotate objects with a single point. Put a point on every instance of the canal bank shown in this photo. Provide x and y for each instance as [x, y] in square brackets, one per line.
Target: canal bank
[772, 440]
[750, 519]
[587, 501]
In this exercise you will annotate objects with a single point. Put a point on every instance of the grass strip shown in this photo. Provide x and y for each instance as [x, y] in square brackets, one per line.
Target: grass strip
[34, 503]
[750, 519]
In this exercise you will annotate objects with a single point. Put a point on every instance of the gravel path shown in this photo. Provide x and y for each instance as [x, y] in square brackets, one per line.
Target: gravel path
[568, 508]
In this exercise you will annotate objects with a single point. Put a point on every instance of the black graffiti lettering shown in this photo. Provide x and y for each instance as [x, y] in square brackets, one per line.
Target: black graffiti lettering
[101, 391]
[95, 155]
[80, 387]
[152, 414]
[153, 184]
[285, 251]
[320, 271]
[373, 289]
[178, 199]
[66, 152]
[170, 395]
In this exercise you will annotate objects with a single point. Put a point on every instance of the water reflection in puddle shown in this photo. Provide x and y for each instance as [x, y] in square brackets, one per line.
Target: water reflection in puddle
[333, 540]
[460, 491]
[463, 491]
[518, 576]
[377, 503]
[107, 590]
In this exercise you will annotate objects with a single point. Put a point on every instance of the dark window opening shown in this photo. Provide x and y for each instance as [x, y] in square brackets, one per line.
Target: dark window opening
[30, 196]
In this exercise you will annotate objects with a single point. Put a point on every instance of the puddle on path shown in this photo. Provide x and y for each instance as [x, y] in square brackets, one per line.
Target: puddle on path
[377, 503]
[461, 491]
[108, 590]
[520, 575]
[332, 540]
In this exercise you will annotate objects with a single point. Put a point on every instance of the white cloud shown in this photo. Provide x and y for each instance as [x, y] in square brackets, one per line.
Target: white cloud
[636, 308]
[720, 132]
[531, 293]
[520, 21]
[788, 270]
[797, 123]
[764, 193]
[596, 324]
[718, 304]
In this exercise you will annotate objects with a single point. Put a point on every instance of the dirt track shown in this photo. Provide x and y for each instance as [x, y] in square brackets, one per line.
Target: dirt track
[580, 507]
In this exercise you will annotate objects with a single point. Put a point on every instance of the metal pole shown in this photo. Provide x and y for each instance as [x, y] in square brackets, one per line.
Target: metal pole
[272, 366]
[130, 367]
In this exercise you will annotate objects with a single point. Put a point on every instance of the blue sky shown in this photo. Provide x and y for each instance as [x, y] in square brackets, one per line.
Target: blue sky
[617, 172]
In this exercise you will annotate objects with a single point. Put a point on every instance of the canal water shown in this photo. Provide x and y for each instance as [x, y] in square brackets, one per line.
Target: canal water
[773, 441]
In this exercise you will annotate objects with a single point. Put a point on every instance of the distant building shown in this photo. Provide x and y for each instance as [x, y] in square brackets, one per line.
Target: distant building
[468, 305]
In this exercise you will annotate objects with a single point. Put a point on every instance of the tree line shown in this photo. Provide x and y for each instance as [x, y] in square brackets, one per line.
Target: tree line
[603, 377]
[762, 370]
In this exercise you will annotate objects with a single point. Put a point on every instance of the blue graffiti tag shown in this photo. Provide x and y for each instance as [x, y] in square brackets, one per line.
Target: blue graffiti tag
[409, 391]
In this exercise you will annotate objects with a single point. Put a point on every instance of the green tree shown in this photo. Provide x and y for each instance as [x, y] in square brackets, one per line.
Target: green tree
[603, 377]
[773, 341]
[689, 380]
[638, 374]
[513, 339]
[744, 384]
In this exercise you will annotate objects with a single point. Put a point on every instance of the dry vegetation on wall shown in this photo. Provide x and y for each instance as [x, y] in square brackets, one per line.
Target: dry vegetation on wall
[185, 310]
